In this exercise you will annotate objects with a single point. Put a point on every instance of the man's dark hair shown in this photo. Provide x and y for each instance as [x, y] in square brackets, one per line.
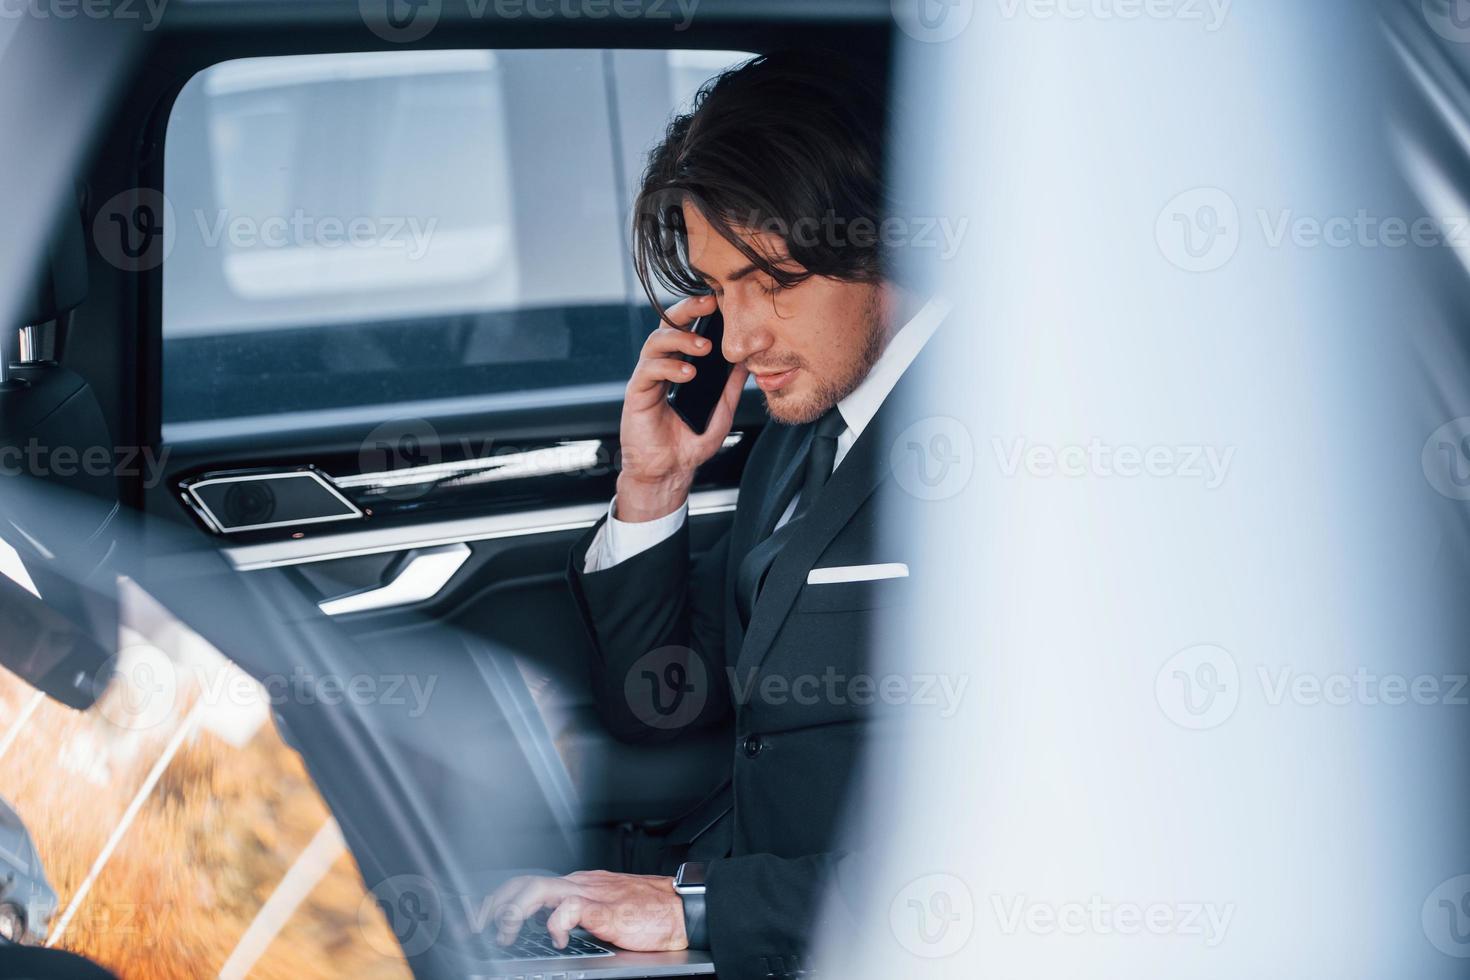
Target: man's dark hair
[789, 144]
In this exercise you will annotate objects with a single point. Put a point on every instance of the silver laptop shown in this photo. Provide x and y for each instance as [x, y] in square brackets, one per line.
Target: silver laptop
[533, 957]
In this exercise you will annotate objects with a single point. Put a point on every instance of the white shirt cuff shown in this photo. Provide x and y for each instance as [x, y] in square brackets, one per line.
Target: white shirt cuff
[617, 541]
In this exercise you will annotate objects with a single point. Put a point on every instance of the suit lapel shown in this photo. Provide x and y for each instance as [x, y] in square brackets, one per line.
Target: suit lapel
[783, 488]
[751, 531]
[852, 483]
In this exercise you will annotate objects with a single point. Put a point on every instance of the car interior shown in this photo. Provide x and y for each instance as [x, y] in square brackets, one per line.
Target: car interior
[350, 312]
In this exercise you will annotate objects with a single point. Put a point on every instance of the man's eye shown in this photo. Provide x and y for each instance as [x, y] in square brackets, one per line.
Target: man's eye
[771, 287]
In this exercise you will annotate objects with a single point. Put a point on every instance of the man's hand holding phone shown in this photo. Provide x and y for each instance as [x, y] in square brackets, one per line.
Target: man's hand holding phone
[660, 450]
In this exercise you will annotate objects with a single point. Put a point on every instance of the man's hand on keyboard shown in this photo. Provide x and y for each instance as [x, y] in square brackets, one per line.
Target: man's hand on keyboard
[636, 912]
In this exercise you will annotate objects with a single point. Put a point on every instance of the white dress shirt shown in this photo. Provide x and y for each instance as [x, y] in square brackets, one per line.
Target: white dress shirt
[618, 541]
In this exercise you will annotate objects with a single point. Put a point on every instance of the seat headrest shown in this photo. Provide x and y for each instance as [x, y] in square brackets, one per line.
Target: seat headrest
[62, 281]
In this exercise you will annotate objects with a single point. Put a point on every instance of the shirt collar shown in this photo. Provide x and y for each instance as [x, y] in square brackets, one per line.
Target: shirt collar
[859, 407]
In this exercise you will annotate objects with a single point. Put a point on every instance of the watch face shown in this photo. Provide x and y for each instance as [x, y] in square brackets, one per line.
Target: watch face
[690, 877]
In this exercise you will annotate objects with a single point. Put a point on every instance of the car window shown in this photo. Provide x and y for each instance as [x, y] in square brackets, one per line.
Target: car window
[352, 230]
[174, 832]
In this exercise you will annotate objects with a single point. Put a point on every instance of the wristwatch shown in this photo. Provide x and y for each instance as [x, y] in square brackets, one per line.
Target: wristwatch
[689, 884]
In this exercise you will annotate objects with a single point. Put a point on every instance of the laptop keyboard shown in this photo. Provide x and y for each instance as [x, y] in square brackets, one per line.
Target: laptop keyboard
[535, 944]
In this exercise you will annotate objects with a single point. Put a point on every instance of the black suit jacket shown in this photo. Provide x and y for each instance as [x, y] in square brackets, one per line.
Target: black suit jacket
[794, 680]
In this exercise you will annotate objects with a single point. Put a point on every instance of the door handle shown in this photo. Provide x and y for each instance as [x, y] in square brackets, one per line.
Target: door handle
[421, 577]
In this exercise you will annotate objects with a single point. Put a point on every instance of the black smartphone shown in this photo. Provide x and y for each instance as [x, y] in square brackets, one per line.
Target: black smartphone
[694, 401]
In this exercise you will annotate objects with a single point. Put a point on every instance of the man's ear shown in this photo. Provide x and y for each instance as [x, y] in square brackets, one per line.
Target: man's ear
[898, 303]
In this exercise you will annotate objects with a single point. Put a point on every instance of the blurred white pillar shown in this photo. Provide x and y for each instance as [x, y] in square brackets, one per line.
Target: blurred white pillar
[1205, 579]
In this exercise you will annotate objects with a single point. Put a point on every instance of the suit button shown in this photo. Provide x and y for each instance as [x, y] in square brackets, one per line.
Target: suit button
[752, 746]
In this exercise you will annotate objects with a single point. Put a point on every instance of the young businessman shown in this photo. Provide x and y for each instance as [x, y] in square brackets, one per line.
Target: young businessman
[767, 198]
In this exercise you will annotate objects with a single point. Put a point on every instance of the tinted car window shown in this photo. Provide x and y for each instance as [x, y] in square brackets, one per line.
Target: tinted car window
[367, 229]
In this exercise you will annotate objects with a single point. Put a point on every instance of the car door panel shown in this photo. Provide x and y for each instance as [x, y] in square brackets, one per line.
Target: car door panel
[508, 539]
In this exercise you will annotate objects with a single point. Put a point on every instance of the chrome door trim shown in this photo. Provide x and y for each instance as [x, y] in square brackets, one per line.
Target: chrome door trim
[377, 541]
[561, 458]
[554, 459]
[420, 579]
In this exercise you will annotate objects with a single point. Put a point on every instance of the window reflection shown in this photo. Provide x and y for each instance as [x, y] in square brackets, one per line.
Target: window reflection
[182, 837]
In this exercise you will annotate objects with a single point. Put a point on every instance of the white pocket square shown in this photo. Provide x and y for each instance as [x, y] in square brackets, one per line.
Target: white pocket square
[856, 573]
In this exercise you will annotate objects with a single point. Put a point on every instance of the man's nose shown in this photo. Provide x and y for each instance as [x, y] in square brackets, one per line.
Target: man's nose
[745, 336]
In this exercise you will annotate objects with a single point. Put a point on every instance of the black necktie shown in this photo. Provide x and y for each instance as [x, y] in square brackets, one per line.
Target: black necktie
[820, 460]
[752, 572]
